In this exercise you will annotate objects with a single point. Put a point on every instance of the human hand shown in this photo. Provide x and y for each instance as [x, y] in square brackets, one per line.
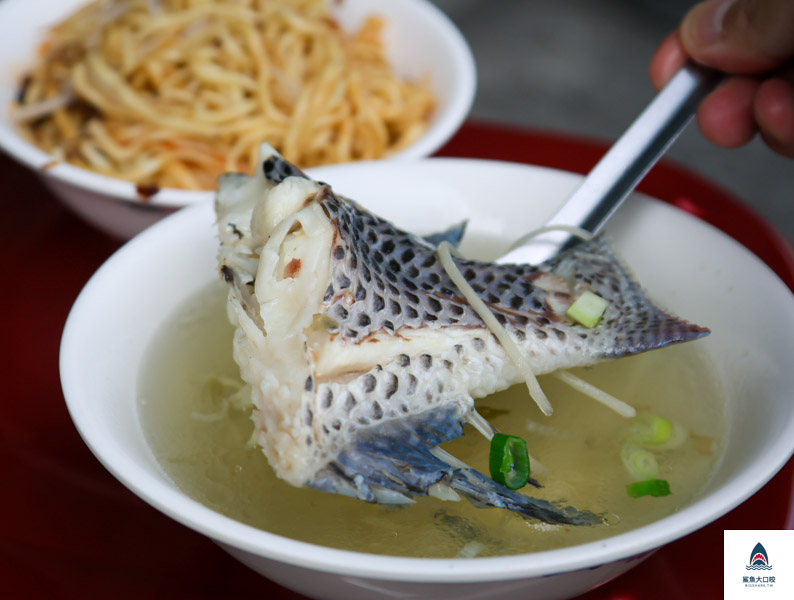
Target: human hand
[752, 41]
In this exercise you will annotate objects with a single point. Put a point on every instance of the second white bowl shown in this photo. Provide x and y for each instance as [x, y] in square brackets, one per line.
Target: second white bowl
[420, 41]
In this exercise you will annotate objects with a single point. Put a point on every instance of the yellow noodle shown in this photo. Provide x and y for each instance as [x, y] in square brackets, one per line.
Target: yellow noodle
[175, 92]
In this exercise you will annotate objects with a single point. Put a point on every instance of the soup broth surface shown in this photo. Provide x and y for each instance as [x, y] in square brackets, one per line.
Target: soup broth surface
[201, 439]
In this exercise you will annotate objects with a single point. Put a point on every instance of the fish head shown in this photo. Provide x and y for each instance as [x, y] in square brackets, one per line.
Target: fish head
[362, 354]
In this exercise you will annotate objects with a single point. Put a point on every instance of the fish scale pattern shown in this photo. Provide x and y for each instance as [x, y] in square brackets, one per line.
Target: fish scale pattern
[384, 278]
[391, 392]
[405, 354]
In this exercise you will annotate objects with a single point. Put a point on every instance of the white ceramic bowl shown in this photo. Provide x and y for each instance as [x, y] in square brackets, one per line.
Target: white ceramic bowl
[420, 40]
[688, 266]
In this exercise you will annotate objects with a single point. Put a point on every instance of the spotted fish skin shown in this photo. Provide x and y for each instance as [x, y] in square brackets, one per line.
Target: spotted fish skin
[362, 354]
[386, 279]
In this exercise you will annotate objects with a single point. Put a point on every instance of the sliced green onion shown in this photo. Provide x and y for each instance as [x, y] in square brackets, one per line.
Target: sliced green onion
[508, 461]
[650, 429]
[656, 432]
[641, 464]
[587, 309]
[677, 438]
[650, 487]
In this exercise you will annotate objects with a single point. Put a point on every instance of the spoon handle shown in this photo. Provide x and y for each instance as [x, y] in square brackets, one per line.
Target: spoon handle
[625, 164]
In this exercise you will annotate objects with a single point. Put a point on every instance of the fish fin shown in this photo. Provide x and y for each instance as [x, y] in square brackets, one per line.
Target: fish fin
[453, 235]
[482, 491]
[398, 456]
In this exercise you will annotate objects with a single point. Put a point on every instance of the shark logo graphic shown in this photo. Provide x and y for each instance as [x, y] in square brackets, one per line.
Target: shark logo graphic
[758, 559]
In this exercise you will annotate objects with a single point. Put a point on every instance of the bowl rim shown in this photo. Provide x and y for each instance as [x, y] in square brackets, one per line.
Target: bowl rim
[628, 546]
[440, 131]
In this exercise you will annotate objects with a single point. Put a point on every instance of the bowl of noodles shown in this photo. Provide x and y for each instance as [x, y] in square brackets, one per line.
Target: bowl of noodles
[130, 109]
[148, 394]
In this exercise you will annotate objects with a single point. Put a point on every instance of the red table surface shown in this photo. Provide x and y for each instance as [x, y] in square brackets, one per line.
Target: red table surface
[69, 529]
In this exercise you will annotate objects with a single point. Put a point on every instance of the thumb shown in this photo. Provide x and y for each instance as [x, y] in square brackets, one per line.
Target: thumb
[741, 37]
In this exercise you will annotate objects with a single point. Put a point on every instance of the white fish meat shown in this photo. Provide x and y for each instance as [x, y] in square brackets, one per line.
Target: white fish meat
[362, 354]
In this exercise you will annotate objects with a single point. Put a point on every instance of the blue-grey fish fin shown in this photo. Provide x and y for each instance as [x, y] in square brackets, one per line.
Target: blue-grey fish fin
[480, 490]
[396, 456]
[453, 235]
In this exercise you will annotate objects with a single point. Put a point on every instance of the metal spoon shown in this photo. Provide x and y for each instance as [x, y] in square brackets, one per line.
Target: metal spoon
[624, 165]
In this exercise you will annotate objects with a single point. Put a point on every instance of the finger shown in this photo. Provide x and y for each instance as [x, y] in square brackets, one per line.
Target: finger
[740, 36]
[774, 112]
[725, 116]
[667, 59]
